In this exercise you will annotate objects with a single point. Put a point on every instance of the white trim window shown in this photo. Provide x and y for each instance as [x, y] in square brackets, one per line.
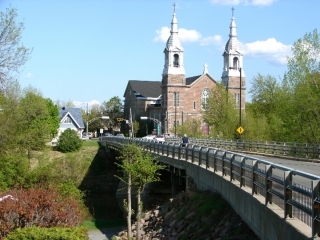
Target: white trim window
[204, 98]
[67, 120]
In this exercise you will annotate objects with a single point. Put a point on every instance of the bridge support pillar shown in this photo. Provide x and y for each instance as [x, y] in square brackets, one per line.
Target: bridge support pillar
[178, 181]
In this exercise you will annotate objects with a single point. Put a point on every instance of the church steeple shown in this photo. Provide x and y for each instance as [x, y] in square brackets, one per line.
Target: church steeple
[173, 51]
[233, 64]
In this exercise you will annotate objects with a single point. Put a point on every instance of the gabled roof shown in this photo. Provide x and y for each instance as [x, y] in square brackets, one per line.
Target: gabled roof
[145, 89]
[190, 80]
[74, 114]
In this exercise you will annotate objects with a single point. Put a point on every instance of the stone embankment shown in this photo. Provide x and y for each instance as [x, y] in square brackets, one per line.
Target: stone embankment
[192, 215]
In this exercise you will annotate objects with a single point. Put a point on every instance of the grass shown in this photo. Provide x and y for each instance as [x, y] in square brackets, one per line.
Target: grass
[90, 143]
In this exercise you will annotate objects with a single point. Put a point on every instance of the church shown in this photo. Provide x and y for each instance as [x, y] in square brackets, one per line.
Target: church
[177, 98]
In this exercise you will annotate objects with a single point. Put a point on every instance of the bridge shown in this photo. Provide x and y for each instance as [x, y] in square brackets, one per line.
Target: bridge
[275, 201]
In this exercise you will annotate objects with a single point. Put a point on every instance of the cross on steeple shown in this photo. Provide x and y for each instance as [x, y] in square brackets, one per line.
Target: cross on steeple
[232, 11]
[174, 7]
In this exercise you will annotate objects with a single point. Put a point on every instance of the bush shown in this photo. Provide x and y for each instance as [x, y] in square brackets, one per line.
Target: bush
[38, 207]
[69, 141]
[57, 233]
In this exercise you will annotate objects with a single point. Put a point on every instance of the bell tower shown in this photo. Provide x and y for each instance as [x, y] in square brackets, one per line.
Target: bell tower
[233, 75]
[173, 72]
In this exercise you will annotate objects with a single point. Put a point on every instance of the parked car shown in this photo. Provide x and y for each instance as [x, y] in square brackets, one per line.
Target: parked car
[84, 135]
[107, 135]
[159, 138]
[120, 135]
[149, 137]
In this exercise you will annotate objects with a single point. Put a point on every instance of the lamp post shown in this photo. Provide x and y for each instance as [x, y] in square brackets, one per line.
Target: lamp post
[240, 83]
[94, 119]
[153, 119]
[240, 100]
[175, 112]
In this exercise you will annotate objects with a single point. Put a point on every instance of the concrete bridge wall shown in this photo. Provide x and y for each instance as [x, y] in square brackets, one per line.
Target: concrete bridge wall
[266, 221]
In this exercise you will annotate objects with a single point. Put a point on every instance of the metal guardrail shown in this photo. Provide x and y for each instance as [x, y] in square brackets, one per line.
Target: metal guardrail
[292, 149]
[296, 192]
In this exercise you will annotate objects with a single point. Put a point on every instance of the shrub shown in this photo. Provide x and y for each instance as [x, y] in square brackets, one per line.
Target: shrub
[69, 141]
[56, 233]
[38, 207]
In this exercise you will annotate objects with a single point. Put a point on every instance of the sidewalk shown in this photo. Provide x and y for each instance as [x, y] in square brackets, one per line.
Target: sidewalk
[103, 234]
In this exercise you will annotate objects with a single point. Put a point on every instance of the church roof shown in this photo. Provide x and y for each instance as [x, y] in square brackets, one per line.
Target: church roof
[190, 80]
[145, 89]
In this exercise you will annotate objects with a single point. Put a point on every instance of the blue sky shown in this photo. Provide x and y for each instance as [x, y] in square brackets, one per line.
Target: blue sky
[85, 51]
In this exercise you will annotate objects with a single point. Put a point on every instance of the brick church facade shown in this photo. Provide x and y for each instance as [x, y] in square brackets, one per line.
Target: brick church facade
[178, 98]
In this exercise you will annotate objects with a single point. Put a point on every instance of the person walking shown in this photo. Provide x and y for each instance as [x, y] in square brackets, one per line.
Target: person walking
[185, 141]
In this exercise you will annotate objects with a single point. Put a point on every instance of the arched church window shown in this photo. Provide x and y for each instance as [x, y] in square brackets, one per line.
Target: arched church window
[176, 60]
[204, 98]
[235, 63]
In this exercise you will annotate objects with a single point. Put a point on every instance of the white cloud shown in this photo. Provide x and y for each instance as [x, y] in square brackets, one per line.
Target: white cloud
[271, 49]
[214, 40]
[85, 104]
[246, 2]
[162, 35]
[29, 75]
[185, 35]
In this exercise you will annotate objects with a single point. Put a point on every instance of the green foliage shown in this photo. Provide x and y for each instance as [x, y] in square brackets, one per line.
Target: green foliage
[53, 118]
[13, 171]
[221, 114]
[13, 55]
[289, 110]
[136, 127]
[56, 233]
[138, 168]
[69, 141]
[191, 127]
[32, 121]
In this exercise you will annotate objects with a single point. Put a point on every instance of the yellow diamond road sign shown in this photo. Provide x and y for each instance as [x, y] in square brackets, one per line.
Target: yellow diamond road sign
[240, 130]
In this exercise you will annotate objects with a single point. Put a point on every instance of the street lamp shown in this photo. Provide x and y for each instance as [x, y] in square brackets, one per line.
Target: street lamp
[153, 119]
[94, 119]
[175, 112]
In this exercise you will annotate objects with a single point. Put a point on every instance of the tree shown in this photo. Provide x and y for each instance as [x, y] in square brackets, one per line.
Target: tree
[53, 118]
[13, 54]
[33, 121]
[191, 127]
[303, 82]
[69, 141]
[221, 113]
[114, 109]
[114, 105]
[138, 169]
[136, 127]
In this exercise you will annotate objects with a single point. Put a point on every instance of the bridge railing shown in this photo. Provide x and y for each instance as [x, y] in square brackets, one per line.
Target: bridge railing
[296, 193]
[302, 150]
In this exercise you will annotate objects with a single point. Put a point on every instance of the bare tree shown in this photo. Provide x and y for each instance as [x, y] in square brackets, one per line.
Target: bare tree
[13, 54]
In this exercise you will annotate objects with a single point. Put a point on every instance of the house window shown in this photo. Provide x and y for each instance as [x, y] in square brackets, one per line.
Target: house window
[67, 120]
[176, 60]
[204, 98]
[176, 99]
[194, 105]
